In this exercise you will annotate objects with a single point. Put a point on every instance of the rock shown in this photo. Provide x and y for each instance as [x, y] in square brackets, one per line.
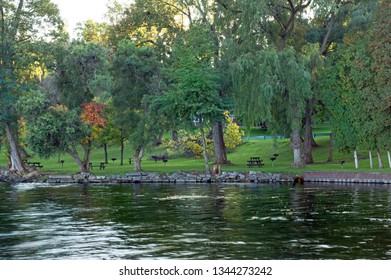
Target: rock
[60, 179]
[81, 178]
[150, 177]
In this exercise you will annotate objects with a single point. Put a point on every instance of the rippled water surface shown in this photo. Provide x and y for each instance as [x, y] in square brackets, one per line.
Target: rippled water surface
[40, 221]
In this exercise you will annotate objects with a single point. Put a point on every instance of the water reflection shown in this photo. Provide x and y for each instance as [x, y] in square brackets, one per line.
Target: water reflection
[195, 222]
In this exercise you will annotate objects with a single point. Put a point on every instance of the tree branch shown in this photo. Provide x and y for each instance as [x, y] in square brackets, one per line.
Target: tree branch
[225, 6]
[146, 41]
[17, 20]
[330, 25]
[290, 2]
[176, 8]
[303, 6]
[2, 23]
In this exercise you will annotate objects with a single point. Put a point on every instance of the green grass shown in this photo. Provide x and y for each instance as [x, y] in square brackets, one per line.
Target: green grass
[262, 148]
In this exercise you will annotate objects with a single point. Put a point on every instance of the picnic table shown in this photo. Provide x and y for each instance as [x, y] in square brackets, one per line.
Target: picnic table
[102, 165]
[162, 158]
[255, 162]
[34, 164]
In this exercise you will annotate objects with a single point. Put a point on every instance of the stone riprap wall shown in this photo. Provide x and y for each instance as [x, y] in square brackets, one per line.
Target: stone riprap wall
[348, 177]
[178, 177]
[193, 177]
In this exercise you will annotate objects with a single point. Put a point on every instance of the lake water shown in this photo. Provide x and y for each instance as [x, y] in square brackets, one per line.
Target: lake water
[39, 221]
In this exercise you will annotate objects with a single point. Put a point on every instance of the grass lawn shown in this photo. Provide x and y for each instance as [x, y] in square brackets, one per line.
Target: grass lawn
[253, 147]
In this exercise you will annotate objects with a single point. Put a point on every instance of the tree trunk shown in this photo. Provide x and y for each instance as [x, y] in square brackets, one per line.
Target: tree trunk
[174, 135]
[297, 147]
[379, 159]
[122, 151]
[308, 137]
[389, 158]
[75, 155]
[281, 44]
[86, 157]
[8, 155]
[84, 165]
[138, 155]
[218, 139]
[159, 138]
[330, 159]
[23, 153]
[106, 153]
[370, 160]
[16, 161]
[204, 150]
[355, 159]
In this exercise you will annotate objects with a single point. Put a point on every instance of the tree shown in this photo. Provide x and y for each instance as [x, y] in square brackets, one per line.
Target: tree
[360, 107]
[193, 96]
[25, 27]
[91, 31]
[222, 19]
[115, 132]
[137, 76]
[331, 21]
[56, 129]
[83, 73]
[268, 72]
[83, 77]
[145, 24]
[380, 48]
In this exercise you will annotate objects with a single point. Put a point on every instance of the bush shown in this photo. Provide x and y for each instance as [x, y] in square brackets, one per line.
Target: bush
[188, 144]
[233, 134]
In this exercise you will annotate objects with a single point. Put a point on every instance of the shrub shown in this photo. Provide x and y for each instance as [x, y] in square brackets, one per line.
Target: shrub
[188, 144]
[233, 134]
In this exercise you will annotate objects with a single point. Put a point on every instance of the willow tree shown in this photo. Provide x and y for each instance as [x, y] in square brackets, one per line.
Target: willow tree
[25, 27]
[271, 78]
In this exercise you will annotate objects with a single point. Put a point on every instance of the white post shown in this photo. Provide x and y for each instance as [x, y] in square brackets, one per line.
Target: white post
[389, 158]
[379, 158]
[355, 159]
[370, 160]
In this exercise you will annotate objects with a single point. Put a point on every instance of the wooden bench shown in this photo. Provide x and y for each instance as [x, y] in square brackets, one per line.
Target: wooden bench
[255, 162]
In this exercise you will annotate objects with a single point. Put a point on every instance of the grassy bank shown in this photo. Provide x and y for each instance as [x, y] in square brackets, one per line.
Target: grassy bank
[254, 147]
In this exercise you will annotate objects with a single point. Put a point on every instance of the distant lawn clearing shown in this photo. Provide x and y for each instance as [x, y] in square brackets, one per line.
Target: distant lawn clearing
[265, 149]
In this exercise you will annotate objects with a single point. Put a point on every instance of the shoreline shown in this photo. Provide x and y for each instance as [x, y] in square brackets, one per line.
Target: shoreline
[197, 177]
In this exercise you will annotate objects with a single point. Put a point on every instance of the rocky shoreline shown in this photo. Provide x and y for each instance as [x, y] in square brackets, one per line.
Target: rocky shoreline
[194, 177]
[147, 177]
[177, 177]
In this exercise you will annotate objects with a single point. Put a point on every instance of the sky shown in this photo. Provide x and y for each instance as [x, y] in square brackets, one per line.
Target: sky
[74, 11]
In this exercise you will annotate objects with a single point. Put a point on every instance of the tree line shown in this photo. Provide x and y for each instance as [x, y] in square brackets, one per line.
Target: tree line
[164, 65]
